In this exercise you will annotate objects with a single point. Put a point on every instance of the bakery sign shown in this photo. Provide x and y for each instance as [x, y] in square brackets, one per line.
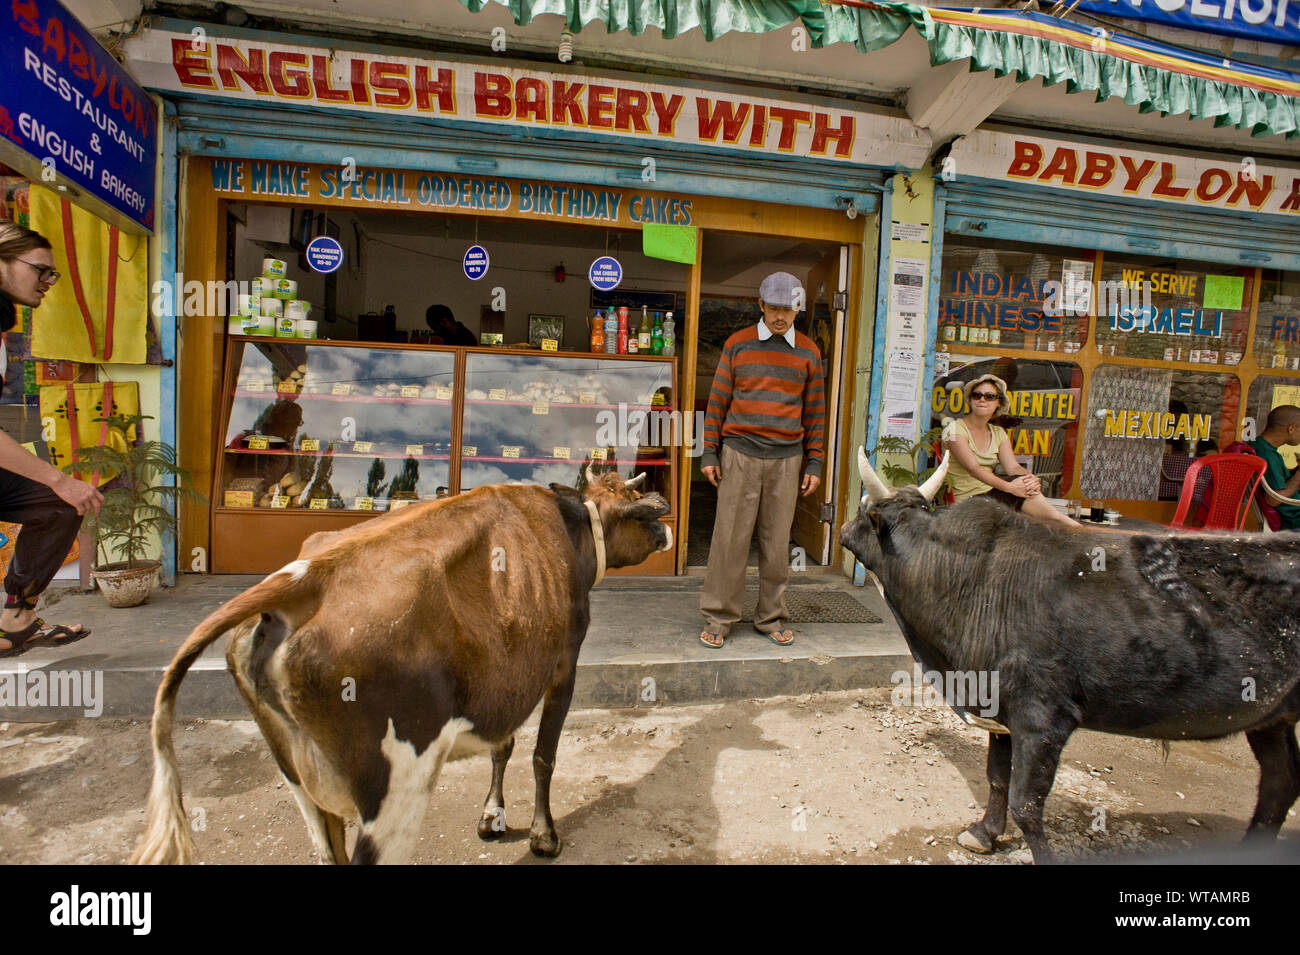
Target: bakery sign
[526, 98]
[1221, 182]
[1268, 21]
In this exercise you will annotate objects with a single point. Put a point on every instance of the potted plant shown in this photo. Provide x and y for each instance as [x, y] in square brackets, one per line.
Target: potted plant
[908, 463]
[134, 510]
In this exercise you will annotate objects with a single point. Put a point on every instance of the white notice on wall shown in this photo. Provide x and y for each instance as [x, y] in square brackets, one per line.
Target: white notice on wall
[898, 405]
[1076, 286]
[907, 292]
[910, 231]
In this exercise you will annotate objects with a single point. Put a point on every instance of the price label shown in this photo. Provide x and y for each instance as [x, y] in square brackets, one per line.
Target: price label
[400, 503]
[598, 454]
[310, 444]
[341, 388]
[363, 447]
[550, 344]
[414, 450]
[280, 501]
[541, 407]
[410, 391]
[497, 394]
[658, 399]
[258, 442]
[510, 451]
[286, 387]
[442, 392]
[363, 504]
[643, 399]
[587, 397]
[239, 499]
[560, 453]
[468, 451]
[255, 386]
[319, 504]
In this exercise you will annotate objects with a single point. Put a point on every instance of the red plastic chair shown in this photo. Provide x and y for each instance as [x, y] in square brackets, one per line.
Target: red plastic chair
[1234, 478]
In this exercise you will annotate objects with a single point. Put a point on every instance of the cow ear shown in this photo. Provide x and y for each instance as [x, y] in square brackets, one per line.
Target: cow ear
[873, 515]
[648, 508]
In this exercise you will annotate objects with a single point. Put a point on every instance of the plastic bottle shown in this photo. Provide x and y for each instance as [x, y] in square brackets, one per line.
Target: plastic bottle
[597, 332]
[668, 345]
[622, 330]
[644, 336]
[657, 337]
[611, 332]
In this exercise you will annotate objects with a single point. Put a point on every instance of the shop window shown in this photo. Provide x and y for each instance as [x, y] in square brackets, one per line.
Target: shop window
[1012, 296]
[1169, 310]
[1146, 424]
[1266, 393]
[1043, 421]
[1277, 330]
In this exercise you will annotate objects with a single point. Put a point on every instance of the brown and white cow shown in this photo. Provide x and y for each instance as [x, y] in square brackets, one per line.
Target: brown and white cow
[422, 636]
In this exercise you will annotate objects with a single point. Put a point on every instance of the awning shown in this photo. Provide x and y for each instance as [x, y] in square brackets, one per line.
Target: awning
[1154, 77]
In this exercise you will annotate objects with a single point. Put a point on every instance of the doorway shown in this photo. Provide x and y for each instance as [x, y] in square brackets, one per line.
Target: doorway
[732, 267]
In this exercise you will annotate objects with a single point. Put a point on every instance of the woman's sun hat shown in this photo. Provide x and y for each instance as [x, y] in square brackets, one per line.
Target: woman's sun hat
[1004, 403]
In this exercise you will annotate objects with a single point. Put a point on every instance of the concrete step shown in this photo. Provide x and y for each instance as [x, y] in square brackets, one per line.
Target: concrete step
[642, 650]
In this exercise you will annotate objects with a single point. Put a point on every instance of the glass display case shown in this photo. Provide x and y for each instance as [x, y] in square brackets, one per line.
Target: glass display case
[542, 419]
[320, 435]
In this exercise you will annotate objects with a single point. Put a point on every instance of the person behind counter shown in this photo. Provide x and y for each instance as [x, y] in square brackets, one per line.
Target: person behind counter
[48, 503]
[1282, 428]
[975, 445]
[443, 324]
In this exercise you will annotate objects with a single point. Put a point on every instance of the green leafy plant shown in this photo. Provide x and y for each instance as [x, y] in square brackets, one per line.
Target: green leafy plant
[913, 468]
[136, 509]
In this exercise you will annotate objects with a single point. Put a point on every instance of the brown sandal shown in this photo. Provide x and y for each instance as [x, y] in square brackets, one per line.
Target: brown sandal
[712, 646]
[774, 634]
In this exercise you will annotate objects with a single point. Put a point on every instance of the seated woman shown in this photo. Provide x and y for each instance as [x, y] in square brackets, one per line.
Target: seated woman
[975, 445]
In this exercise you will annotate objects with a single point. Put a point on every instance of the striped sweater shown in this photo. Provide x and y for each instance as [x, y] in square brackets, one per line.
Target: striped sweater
[768, 400]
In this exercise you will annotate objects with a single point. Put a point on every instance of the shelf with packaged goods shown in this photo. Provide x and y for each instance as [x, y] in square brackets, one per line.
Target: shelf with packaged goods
[363, 399]
[367, 455]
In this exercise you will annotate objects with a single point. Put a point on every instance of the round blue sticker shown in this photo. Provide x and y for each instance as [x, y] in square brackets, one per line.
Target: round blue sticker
[476, 262]
[605, 273]
[324, 254]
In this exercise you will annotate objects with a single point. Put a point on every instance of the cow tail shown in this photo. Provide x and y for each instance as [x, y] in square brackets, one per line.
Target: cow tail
[166, 837]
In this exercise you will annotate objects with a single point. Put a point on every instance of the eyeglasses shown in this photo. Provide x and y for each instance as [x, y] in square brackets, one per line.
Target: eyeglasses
[986, 396]
[47, 274]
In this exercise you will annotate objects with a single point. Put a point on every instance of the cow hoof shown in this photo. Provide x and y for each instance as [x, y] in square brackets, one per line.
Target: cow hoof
[546, 845]
[972, 842]
[491, 827]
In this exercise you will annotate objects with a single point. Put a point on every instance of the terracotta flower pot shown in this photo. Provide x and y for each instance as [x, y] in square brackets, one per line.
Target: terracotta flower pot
[126, 587]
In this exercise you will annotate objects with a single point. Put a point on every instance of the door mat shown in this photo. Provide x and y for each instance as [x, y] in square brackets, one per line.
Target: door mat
[817, 606]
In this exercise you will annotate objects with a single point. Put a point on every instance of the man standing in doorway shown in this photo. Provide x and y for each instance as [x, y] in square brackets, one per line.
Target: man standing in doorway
[1281, 429]
[767, 413]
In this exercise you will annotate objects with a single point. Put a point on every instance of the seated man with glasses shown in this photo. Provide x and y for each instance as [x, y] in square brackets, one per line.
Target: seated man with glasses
[975, 446]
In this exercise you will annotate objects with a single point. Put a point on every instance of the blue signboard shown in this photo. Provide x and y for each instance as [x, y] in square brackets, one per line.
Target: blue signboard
[476, 262]
[324, 254]
[1268, 21]
[70, 114]
[605, 273]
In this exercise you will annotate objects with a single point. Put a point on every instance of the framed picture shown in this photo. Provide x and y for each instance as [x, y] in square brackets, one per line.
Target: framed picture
[545, 326]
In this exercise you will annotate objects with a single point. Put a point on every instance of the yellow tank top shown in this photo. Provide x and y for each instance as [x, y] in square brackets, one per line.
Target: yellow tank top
[964, 484]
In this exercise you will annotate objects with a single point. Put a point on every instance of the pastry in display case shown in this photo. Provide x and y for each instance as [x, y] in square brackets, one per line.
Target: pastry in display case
[321, 426]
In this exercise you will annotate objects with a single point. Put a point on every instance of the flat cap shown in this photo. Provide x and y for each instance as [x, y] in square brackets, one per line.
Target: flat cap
[782, 290]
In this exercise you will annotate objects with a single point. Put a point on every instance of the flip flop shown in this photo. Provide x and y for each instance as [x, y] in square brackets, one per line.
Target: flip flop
[21, 639]
[772, 635]
[53, 637]
[713, 646]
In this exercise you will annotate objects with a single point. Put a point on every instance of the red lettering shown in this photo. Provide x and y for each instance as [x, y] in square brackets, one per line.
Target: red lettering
[630, 111]
[724, 114]
[390, 90]
[192, 67]
[842, 134]
[600, 107]
[28, 17]
[1025, 162]
[54, 39]
[78, 58]
[1064, 166]
[492, 94]
[445, 88]
[1166, 187]
[358, 76]
[320, 78]
[232, 67]
[530, 98]
[565, 107]
[113, 101]
[1098, 170]
[1292, 202]
[1136, 174]
[790, 119]
[1256, 191]
[294, 84]
[1207, 192]
[758, 128]
[667, 111]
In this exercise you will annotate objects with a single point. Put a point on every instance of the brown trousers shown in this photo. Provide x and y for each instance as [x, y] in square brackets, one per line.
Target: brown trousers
[751, 489]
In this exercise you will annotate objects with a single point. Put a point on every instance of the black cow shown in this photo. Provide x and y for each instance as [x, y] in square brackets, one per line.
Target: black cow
[1165, 636]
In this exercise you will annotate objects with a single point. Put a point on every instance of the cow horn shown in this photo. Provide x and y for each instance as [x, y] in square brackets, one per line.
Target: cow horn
[592, 479]
[636, 482]
[872, 486]
[935, 481]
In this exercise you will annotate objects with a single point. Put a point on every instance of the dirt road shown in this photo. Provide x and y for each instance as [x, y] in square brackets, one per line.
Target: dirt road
[833, 778]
